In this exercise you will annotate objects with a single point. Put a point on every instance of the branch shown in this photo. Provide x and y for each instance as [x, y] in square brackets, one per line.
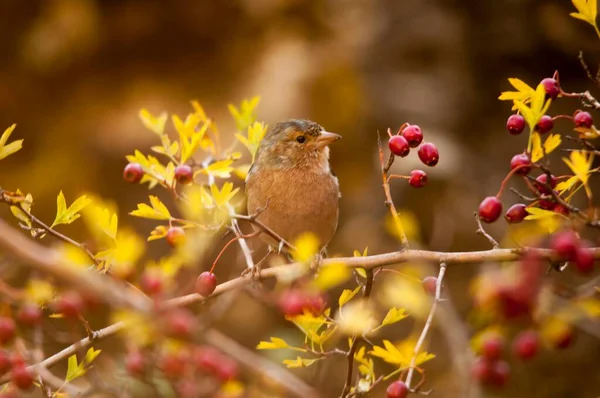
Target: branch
[438, 292]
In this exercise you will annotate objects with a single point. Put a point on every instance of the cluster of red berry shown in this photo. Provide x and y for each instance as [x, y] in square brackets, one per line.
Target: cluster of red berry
[70, 304]
[184, 366]
[411, 136]
[543, 185]
[134, 172]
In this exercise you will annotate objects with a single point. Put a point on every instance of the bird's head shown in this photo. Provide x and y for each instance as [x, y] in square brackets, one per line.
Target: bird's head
[296, 143]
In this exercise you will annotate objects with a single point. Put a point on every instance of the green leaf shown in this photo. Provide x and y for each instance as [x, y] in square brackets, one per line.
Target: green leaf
[66, 215]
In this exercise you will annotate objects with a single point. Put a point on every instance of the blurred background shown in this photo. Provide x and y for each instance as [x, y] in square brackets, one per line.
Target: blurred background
[75, 73]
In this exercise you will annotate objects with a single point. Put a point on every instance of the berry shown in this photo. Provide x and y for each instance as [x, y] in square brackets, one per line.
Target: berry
[521, 160]
[413, 135]
[560, 209]
[544, 125]
[7, 329]
[526, 344]
[184, 174]
[135, 363]
[515, 124]
[500, 373]
[21, 377]
[583, 119]
[175, 236]
[5, 362]
[516, 213]
[565, 244]
[564, 339]
[207, 358]
[492, 347]
[584, 260]
[428, 153]
[133, 173]
[173, 364]
[206, 283]
[315, 304]
[397, 390]
[151, 283]
[188, 389]
[70, 304]
[418, 178]
[481, 371]
[490, 209]
[29, 315]
[542, 181]
[514, 302]
[429, 285]
[181, 324]
[546, 204]
[399, 146]
[292, 303]
[227, 369]
[551, 86]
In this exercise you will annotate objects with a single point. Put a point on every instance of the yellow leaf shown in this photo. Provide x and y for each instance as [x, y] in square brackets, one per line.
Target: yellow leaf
[309, 324]
[241, 172]
[274, 344]
[158, 211]
[24, 205]
[6, 150]
[74, 256]
[408, 223]
[535, 213]
[523, 93]
[221, 169]
[153, 123]
[223, 196]
[566, 185]
[246, 114]
[537, 152]
[401, 355]
[400, 292]
[101, 219]
[300, 362]
[39, 291]
[332, 275]
[256, 132]
[589, 306]
[307, 246]
[535, 111]
[394, 315]
[347, 295]
[587, 11]
[159, 232]
[66, 215]
[580, 163]
[356, 318]
[139, 329]
[121, 259]
[231, 389]
[548, 221]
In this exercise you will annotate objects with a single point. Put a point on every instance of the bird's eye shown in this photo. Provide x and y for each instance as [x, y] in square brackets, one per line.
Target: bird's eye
[301, 139]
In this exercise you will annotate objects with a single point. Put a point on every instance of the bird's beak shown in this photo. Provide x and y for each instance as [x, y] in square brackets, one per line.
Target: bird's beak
[325, 138]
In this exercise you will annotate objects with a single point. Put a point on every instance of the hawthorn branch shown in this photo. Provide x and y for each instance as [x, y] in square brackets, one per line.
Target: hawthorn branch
[434, 305]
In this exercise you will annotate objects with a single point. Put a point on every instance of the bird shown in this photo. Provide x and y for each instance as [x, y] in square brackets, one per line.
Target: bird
[291, 185]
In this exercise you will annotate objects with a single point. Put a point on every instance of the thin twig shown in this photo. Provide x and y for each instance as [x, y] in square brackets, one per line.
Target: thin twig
[481, 231]
[434, 305]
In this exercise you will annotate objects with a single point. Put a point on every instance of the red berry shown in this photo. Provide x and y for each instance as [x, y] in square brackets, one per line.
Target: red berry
[584, 260]
[542, 181]
[544, 125]
[135, 363]
[292, 303]
[500, 373]
[151, 283]
[526, 344]
[428, 153]
[565, 244]
[560, 209]
[133, 173]
[492, 347]
[207, 358]
[29, 315]
[5, 362]
[227, 369]
[551, 87]
[490, 209]
[418, 178]
[429, 285]
[515, 124]
[583, 119]
[181, 323]
[184, 174]
[522, 162]
[173, 364]
[188, 389]
[175, 236]
[399, 146]
[397, 390]
[565, 339]
[516, 213]
[21, 377]
[8, 329]
[514, 302]
[546, 204]
[413, 135]
[315, 304]
[206, 283]
[481, 371]
[70, 304]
